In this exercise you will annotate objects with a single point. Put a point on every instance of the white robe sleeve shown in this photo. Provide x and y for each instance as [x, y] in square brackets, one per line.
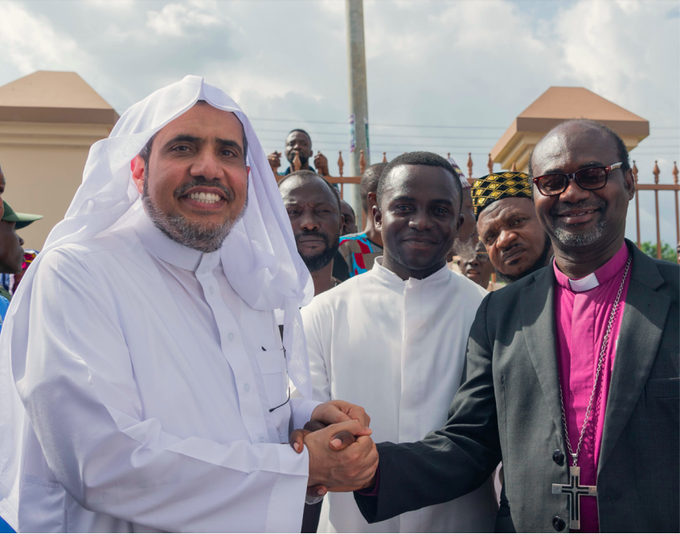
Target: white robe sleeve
[78, 386]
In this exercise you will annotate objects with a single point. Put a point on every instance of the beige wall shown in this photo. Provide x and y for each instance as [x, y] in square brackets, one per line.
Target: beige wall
[43, 165]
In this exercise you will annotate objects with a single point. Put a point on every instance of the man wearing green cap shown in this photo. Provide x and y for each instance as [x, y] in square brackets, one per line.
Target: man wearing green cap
[11, 251]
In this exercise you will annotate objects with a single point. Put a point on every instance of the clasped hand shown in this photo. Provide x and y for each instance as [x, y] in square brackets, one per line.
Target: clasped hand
[342, 456]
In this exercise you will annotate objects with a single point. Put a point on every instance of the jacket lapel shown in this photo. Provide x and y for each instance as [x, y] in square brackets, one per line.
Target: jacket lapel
[537, 309]
[644, 316]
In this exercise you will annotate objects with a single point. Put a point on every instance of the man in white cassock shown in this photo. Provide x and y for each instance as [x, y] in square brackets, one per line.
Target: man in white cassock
[393, 339]
[143, 382]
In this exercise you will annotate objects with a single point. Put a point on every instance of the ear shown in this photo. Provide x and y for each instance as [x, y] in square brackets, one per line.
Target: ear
[372, 199]
[630, 183]
[377, 217]
[137, 167]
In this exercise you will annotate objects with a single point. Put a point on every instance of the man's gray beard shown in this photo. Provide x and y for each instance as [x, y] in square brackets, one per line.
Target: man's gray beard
[568, 239]
[185, 232]
[465, 250]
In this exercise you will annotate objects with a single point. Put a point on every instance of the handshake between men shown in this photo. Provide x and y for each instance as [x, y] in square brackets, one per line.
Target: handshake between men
[342, 455]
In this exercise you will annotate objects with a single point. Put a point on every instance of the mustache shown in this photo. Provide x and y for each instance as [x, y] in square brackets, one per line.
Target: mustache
[591, 204]
[200, 181]
[312, 233]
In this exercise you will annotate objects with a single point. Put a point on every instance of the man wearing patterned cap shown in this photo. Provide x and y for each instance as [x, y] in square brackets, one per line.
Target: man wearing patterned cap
[508, 226]
[144, 384]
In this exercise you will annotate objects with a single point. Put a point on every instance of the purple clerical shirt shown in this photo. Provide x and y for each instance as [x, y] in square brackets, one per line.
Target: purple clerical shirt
[582, 311]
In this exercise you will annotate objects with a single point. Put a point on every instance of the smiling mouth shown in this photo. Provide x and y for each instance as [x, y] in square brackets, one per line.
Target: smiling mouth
[205, 198]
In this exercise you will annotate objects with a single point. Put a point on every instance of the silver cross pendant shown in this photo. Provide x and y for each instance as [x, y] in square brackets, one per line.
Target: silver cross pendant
[574, 492]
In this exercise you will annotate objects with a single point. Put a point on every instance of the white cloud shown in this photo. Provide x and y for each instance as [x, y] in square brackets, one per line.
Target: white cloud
[30, 43]
[176, 20]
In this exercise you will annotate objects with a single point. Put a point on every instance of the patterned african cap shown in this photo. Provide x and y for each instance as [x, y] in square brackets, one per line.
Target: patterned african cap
[496, 186]
[461, 175]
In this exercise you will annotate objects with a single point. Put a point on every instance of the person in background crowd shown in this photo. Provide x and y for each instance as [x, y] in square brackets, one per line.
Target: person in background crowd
[508, 226]
[299, 143]
[10, 282]
[11, 251]
[394, 338]
[313, 206]
[572, 371]
[360, 250]
[464, 245]
[479, 268]
[349, 218]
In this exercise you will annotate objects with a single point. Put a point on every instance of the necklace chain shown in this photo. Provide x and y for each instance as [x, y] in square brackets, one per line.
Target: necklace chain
[603, 350]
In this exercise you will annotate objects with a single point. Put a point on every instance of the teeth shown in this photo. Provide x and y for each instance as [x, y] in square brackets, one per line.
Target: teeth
[206, 198]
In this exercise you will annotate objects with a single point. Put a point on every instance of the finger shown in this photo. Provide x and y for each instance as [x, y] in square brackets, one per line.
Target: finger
[314, 425]
[358, 413]
[342, 440]
[317, 491]
[352, 426]
[296, 439]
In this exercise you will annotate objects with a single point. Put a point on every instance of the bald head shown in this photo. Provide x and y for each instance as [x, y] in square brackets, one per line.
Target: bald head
[571, 133]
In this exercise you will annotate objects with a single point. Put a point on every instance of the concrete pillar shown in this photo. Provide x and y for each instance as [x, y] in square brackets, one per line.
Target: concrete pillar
[358, 99]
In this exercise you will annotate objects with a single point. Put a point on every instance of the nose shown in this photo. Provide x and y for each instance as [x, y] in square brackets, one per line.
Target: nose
[420, 221]
[505, 239]
[206, 165]
[573, 193]
[308, 221]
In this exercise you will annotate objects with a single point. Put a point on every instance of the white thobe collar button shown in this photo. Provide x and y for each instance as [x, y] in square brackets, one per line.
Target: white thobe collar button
[246, 388]
[230, 337]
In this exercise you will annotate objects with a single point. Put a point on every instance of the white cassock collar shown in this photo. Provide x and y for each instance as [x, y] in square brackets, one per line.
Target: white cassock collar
[391, 278]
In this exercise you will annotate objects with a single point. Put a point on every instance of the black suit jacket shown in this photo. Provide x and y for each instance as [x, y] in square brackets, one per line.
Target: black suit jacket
[509, 409]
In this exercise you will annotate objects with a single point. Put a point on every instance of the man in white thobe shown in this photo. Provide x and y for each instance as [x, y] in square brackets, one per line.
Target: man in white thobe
[143, 382]
[393, 339]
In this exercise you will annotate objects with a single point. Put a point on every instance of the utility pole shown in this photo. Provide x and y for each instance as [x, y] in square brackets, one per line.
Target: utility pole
[358, 98]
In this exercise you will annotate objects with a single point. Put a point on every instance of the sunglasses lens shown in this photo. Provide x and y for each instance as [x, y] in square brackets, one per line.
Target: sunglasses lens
[591, 178]
[552, 184]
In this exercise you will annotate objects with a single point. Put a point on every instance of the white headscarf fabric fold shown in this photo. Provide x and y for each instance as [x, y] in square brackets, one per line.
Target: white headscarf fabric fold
[259, 255]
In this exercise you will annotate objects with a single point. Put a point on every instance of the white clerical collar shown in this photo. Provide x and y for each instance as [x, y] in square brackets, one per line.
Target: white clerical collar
[584, 284]
[166, 249]
[389, 276]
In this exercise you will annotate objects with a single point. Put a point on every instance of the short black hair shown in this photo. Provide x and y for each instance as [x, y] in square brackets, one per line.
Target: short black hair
[429, 159]
[621, 149]
[145, 153]
[301, 131]
[306, 174]
[369, 182]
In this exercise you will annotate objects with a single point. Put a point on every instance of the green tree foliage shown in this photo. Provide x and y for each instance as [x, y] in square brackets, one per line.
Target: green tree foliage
[668, 253]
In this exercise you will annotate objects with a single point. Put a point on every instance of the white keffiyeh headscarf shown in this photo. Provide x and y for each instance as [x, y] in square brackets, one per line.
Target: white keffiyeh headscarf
[259, 255]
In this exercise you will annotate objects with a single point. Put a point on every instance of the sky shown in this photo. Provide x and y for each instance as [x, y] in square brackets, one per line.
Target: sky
[444, 76]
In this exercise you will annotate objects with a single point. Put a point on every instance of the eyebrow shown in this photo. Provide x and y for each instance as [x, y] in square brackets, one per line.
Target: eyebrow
[193, 139]
[583, 166]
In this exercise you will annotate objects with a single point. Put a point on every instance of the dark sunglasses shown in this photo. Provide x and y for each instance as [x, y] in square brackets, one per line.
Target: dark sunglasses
[591, 178]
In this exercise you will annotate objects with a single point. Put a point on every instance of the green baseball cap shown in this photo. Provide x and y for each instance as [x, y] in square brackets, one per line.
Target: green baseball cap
[21, 219]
